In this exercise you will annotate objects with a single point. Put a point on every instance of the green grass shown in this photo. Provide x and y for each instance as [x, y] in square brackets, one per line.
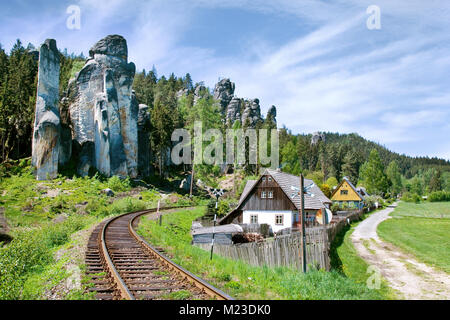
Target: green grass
[419, 229]
[241, 280]
[27, 263]
[423, 210]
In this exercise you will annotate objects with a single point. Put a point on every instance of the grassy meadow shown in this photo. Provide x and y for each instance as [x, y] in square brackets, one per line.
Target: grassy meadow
[421, 229]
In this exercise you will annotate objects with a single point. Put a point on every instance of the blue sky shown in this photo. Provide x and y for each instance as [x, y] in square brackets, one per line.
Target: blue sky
[315, 60]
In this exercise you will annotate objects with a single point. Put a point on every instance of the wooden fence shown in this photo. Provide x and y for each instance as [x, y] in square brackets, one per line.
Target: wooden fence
[283, 250]
[286, 250]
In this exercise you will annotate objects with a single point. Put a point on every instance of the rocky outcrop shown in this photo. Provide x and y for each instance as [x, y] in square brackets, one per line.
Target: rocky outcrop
[248, 112]
[47, 124]
[272, 115]
[317, 137]
[224, 92]
[252, 113]
[233, 111]
[103, 111]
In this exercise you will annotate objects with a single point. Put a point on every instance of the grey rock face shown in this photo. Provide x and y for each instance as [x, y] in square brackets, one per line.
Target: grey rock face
[233, 112]
[104, 111]
[272, 114]
[316, 137]
[47, 124]
[200, 92]
[224, 92]
[144, 141]
[252, 113]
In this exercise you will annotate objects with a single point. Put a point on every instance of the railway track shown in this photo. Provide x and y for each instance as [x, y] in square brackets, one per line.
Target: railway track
[122, 265]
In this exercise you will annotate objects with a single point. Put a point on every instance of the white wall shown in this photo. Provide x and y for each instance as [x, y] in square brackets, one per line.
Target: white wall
[268, 217]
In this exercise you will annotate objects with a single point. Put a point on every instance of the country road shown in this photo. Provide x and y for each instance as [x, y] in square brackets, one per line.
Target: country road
[410, 278]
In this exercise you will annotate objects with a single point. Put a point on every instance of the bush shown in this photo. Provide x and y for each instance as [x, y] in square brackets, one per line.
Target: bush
[335, 207]
[411, 197]
[439, 196]
[119, 185]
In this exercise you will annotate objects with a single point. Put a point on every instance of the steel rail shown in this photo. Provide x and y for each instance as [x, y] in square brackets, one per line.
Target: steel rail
[123, 289]
[199, 283]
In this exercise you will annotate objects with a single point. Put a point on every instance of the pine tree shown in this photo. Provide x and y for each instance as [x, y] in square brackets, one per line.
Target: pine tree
[350, 167]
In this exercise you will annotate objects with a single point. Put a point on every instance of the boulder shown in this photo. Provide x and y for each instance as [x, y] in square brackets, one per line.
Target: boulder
[108, 192]
[47, 124]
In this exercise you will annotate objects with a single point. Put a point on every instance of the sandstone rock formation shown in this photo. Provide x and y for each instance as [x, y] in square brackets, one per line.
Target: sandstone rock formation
[248, 112]
[103, 111]
[96, 124]
[233, 111]
[272, 115]
[252, 113]
[47, 125]
[224, 92]
[316, 137]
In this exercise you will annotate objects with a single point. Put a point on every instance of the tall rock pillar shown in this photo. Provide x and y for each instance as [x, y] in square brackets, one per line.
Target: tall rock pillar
[47, 124]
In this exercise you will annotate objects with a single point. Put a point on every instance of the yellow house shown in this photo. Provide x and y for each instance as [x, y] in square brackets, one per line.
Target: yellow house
[347, 193]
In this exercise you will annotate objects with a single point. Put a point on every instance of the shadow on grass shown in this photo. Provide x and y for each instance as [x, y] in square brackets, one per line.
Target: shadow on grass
[335, 260]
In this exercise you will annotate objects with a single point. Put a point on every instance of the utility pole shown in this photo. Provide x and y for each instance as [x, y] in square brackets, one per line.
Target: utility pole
[192, 181]
[302, 214]
[218, 194]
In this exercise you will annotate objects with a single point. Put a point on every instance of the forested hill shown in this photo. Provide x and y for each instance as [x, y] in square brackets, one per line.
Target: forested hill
[409, 166]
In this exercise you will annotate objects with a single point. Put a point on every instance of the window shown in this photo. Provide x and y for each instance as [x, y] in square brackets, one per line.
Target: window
[269, 179]
[279, 219]
[344, 192]
[263, 179]
[270, 194]
[254, 219]
[263, 195]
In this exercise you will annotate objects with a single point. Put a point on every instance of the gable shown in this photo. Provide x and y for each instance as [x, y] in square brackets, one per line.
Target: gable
[345, 192]
[254, 200]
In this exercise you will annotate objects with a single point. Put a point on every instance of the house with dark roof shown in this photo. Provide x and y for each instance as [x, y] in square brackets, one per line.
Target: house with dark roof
[274, 199]
[347, 193]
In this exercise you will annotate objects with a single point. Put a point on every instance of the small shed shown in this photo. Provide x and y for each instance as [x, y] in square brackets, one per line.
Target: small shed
[222, 234]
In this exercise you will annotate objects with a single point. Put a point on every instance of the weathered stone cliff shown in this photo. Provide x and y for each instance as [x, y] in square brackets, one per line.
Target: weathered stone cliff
[47, 125]
[103, 111]
[96, 124]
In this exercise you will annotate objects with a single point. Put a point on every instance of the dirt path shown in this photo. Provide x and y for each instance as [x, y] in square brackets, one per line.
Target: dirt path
[410, 278]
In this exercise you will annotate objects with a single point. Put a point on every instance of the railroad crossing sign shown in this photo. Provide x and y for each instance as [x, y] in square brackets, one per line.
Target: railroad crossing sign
[305, 190]
[217, 192]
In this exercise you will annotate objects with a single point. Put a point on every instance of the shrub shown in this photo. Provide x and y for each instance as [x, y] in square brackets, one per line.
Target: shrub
[335, 207]
[119, 185]
[411, 197]
[439, 196]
